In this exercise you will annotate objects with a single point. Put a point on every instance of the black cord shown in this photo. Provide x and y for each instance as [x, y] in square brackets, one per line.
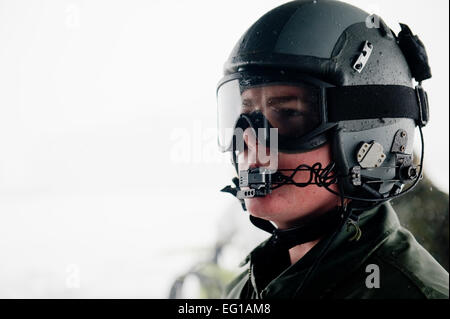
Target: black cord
[318, 176]
[346, 212]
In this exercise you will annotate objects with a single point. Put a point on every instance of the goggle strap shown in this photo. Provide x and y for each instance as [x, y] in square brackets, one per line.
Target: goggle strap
[374, 102]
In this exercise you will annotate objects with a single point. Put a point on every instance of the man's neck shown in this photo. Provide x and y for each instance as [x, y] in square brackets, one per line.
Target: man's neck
[296, 253]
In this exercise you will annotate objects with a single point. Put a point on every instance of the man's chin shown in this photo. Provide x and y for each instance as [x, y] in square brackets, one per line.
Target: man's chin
[262, 207]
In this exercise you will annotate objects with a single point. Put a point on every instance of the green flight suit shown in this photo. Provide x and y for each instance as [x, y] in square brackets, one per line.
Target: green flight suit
[405, 270]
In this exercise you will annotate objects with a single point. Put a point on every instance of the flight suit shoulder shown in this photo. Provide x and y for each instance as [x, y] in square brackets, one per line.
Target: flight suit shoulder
[407, 264]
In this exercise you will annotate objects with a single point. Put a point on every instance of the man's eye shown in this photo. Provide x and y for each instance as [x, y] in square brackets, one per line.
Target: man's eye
[291, 112]
[288, 112]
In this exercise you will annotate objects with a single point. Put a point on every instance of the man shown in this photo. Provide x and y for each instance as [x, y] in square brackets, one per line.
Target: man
[318, 109]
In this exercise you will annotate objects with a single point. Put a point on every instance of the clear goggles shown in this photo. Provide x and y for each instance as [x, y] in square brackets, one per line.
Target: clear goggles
[295, 108]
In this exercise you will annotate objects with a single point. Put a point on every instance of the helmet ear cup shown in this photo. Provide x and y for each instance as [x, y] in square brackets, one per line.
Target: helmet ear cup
[347, 141]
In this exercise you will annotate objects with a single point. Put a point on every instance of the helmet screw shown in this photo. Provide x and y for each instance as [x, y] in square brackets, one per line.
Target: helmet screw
[403, 134]
[358, 66]
[402, 148]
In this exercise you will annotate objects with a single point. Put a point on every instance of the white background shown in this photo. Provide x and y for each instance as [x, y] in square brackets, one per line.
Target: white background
[109, 173]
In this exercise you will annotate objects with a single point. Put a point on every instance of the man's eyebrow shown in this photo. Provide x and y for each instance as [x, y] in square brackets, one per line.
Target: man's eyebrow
[283, 99]
[273, 99]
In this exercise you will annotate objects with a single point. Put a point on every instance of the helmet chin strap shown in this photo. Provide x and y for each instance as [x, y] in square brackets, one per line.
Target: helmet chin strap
[304, 232]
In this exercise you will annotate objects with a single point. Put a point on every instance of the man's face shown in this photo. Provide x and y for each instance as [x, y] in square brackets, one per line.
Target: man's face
[292, 109]
[289, 109]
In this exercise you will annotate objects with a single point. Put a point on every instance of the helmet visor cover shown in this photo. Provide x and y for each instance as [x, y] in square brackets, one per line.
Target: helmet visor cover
[294, 108]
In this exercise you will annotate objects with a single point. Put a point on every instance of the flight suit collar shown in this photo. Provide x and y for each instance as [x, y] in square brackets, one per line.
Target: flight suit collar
[342, 258]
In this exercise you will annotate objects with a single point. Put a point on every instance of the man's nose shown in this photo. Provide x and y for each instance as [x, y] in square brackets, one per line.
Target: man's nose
[250, 138]
[253, 156]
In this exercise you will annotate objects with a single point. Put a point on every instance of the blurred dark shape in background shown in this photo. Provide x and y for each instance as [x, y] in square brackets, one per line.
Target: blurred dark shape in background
[423, 211]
